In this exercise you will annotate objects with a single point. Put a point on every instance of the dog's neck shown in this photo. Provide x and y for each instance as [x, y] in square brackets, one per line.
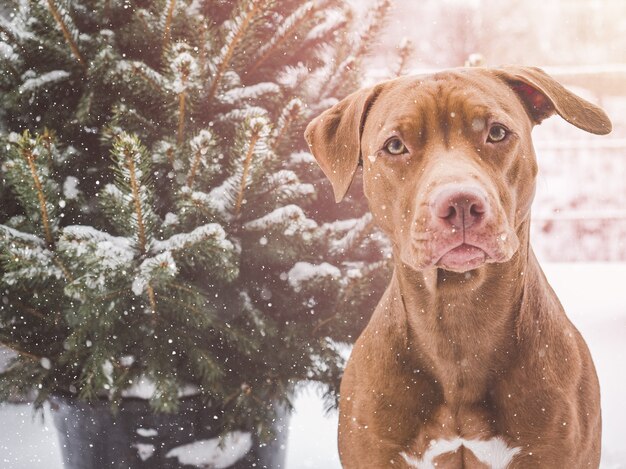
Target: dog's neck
[464, 323]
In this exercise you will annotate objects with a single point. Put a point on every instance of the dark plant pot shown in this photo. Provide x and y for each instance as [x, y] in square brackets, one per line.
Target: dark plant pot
[136, 437]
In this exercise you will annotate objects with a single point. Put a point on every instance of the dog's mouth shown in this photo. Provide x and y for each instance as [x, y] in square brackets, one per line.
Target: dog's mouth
[462, 258]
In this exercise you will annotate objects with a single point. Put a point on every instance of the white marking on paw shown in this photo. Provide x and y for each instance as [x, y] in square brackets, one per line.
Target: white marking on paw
[493, 452]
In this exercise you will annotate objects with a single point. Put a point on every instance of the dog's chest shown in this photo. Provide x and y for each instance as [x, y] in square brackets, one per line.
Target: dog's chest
[462, 438]
[492, 453]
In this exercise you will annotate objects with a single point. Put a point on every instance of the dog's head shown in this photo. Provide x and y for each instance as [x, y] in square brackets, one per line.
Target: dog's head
[448, 163]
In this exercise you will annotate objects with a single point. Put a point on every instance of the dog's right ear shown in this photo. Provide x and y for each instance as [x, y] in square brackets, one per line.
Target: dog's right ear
[334, 138]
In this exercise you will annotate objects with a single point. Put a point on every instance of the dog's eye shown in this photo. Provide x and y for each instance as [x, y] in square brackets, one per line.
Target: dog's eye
[497, 133]
[394, 146]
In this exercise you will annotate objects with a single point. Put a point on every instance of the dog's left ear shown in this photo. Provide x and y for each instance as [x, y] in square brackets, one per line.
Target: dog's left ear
[334, 138]
[543, 96]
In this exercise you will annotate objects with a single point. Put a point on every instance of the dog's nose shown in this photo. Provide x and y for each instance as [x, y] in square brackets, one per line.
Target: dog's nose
[460, 207]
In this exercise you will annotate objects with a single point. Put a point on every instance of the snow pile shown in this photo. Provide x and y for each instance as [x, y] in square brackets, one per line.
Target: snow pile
[145, 388]
[144, 450]
[218, 453]
[70, 188]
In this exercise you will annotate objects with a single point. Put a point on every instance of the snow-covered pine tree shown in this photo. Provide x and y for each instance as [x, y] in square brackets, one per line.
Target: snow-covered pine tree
[159, 215]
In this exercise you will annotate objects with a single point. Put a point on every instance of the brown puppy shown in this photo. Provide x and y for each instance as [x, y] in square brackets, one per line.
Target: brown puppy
[469, 360]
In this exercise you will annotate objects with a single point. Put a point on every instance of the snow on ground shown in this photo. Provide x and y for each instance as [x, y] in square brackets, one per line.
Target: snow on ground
[593, 294]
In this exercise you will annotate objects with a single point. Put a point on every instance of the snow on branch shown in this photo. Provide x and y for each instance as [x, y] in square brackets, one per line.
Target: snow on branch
[31, 263]
[354, 236]
[242, 114]
[284, 184]
[32, 84]
[220, 200]
[133, 68]
[304, 272]
[372, 26]
[182, 241]
[154, 270]
[290, 217]
[15, 31]
[257, 131]
[334, 18]
[200, 145]
[8, 234]
[97, 257]
[111, 252]
[292, 75]
[248, 93]
[290, 113]
[7, 53]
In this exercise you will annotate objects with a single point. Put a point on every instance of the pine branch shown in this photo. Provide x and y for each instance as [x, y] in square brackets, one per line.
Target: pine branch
[354, 237]
[144, 72]
[168, 26]
[45, 218]
[246, 167]
[151, 298]
[19, 350]
[200, 145]
[337, 77]
[348, 63]
[182, 95]
[202, 52]
[291, 24]
[66, 273]
[194, 168]
[373, 25]
[288, 116]
[405, 51]
[229, 49]
[66, 33]
[134, 184]
[181, 117]
[344, 297]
